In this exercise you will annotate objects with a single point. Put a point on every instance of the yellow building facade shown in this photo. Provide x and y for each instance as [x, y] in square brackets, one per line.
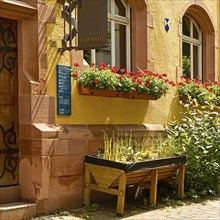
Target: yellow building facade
[50, 148]
[162, 53]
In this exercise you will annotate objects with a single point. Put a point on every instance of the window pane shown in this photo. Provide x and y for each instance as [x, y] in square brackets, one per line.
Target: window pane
[104, 55]
[195, 62]
[186, 60]
[120, 45]
[195, 32]
[119, 8]
[87, 55]
[186, 26]
[115, 54]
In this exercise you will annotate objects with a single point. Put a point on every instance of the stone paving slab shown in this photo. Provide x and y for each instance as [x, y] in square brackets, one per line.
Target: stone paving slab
[208, 210]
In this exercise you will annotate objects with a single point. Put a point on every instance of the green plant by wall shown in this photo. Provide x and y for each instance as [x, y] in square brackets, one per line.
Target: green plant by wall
[125, 147]
[186, 66]
[198, 135]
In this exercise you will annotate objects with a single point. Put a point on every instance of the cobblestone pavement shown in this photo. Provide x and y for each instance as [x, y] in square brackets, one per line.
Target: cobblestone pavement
[207, 210]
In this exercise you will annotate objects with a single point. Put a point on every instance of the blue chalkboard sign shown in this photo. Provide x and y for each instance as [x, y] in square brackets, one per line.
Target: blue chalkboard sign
[63, 90]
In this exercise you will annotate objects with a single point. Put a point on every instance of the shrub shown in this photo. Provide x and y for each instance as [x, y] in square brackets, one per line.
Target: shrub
[198, 135]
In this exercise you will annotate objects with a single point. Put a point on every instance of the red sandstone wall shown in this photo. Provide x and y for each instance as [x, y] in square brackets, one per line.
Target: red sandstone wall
[54, 155]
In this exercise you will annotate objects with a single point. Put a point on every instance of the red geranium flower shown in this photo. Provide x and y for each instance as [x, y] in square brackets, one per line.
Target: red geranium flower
[130, 73]
[76, 64]
[96, 81]
[139, 81]
[122, 70]
[113, 69]
[75, 75]
[120, 77]
[206, 84]
[102, 66]
[172, 83]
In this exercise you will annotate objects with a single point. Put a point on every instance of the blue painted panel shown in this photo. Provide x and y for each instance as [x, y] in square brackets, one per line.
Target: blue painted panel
[63, 90]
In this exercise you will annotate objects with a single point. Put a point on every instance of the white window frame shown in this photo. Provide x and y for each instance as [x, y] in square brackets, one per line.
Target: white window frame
[114, 18]
[197, 42]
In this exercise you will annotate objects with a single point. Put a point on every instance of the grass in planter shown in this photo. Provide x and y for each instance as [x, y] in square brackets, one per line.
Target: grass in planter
[125, 147]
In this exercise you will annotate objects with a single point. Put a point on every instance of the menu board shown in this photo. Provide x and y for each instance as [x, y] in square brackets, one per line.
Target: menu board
[63, 90]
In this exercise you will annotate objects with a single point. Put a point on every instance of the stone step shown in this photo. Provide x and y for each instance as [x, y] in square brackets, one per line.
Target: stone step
[17, 211]
[10, 194]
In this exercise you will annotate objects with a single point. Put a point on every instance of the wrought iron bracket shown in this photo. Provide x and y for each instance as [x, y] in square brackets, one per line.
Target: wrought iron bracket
[69, 15]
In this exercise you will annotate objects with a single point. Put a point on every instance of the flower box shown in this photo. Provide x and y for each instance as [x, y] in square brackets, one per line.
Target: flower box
[100, 80]
[183, 98]
[202, 92]
[96, 92]
[138, 96]
[113, 177]
[111, 93]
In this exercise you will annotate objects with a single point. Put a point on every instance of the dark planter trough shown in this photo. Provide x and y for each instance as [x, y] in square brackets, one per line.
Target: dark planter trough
[113, 177]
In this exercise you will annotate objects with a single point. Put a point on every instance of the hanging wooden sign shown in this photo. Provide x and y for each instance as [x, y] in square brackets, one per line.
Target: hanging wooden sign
[92, 24]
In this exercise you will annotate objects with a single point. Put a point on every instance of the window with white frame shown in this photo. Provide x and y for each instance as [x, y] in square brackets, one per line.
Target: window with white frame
[191, 49]
[118, 52]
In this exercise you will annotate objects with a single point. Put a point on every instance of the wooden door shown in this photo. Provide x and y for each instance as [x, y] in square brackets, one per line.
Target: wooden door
[8, 103]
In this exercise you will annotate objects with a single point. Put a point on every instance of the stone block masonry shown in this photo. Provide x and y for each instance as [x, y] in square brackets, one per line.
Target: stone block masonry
[52, 160]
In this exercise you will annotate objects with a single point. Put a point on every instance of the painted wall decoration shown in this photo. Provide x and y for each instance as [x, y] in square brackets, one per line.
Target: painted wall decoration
[166, 24]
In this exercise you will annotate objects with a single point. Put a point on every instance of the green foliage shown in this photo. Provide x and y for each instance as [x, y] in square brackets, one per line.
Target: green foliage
[203, 92]
[103, 77]
[198, 135]
[186, 66]
[88, 210]
[125, 147]
[94, 207]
